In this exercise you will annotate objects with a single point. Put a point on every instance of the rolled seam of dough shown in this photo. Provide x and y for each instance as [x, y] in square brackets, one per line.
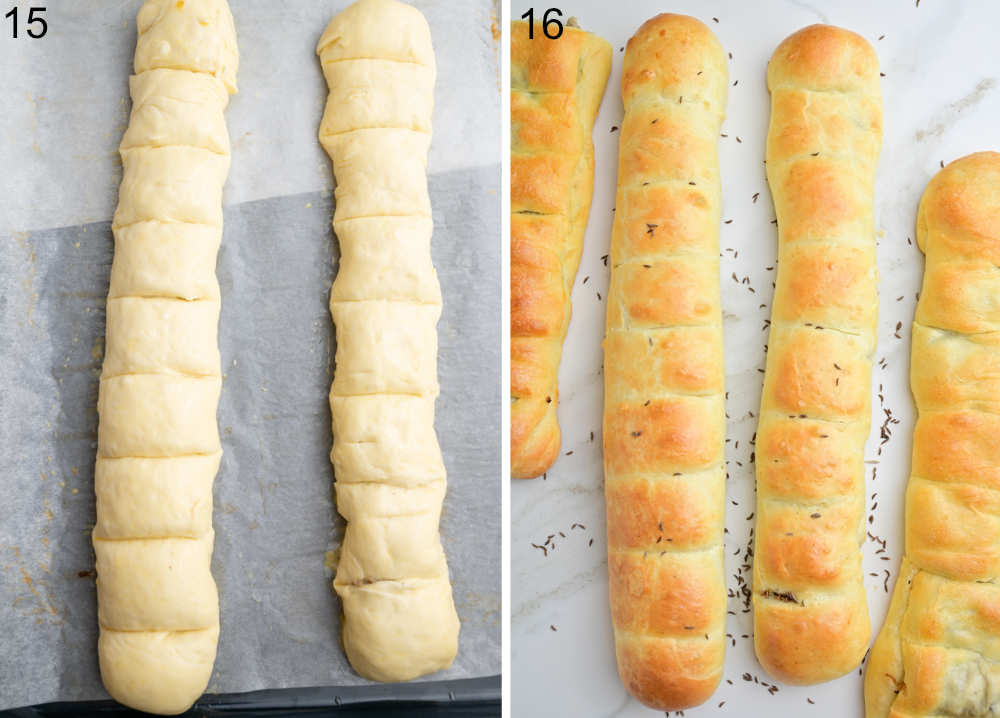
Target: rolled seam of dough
[158, 442]
[392, 577]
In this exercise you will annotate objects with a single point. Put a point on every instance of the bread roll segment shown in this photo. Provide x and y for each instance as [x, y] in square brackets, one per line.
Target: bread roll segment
[158, 445]
[392, 578]
[664, 413]
[939, 649]
[810, 614]
[556, 89]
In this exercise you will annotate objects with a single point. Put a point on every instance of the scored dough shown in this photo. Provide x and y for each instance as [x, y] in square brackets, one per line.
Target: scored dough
[397, 630]
[161, 111]
[150, 498]
[386, 258]
[171, 184]
[157, 415]
[385, 438]
[395, 548]
[377, 93]
[369, 499]
[163, 582]
[380, 172]
[158, 447]
[393, 348]
[162, 335]
[157, 259]
[392, 575]
[380, 30]
[195, 35]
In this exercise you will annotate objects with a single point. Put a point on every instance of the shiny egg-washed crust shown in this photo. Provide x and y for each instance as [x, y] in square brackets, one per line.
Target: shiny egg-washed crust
[556, 88]
[664, 416]
[810, 614]
[938, 653]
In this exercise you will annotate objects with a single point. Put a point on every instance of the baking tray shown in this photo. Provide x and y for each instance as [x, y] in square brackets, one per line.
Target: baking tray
[474, 697]
[66, 107]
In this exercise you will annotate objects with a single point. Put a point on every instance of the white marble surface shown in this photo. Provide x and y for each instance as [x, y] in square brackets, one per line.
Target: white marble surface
[941, 100]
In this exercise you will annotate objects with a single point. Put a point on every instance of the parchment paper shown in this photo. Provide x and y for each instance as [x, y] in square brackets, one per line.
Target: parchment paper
[65, 108]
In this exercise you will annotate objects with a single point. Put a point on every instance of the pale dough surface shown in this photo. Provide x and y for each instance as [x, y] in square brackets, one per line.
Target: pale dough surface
[373, 500]
[398, 630]
[140, 584]
[386, 439]
[157, 259]
[161, 111]
[150, 415]
[149, 498]
[392, 577]
[163, 336]
[171, 184]
[158, 447]
[393, 348]
[386, 258]
[377, 93]
[377, 30]
[157, 671]
[380, 172]
[196, 35]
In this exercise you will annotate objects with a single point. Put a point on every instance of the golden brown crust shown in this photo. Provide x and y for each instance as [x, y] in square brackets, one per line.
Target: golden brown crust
[806, 460]
[802, 647]
[810, 614]
[670, 672]
[650, 294]
[826, 199]
[827, 285]
[683, 513]
[818, 374]
[657, 593]
[664, 415]
[556, 88]
[938, 651]
[957, 446]
[683, 360]
[537, 298]
[801, 552]
[663, 219]
[825, 58]
[662, 436]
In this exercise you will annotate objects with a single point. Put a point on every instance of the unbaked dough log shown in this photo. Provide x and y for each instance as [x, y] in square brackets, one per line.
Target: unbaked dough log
[392, 577]
[158, 441]
[938, 653]
[664, 411]
[810, 615]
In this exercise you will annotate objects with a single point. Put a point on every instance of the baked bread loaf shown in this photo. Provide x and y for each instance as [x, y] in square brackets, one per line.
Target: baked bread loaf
[664, 413]
[158, 444]
[392, 578]
[810, 615]
[937, 654]
[555, 89]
